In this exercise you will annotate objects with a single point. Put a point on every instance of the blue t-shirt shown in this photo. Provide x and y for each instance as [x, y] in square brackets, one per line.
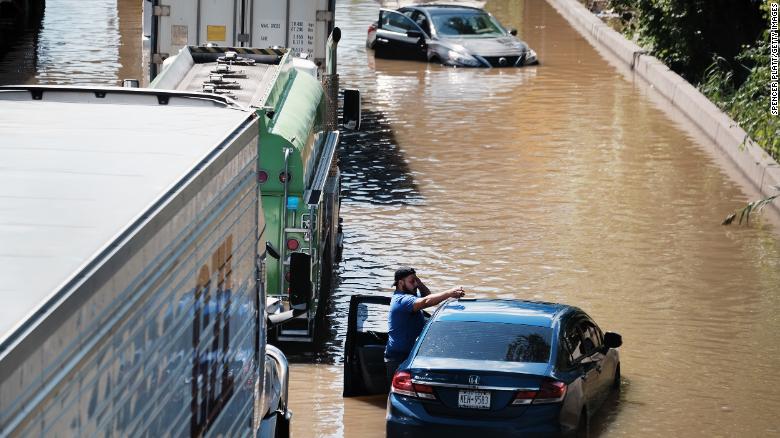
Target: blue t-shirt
[404, 326]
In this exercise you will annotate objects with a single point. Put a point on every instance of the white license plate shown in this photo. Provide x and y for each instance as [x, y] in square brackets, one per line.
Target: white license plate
[474, 399]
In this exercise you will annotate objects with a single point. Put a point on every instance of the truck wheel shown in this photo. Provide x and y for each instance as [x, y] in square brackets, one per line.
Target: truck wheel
[339, 243]
[326, 280]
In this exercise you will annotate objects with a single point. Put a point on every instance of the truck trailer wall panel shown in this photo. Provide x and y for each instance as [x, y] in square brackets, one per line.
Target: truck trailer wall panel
[218, 20]
[301, 25]
[179, 29]
[292, 24]
[163, 331]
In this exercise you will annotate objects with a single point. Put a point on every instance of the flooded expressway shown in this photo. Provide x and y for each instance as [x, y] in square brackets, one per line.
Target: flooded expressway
[564, 182]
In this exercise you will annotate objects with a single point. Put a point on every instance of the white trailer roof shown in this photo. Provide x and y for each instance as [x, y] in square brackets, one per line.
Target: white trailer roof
[74, 175]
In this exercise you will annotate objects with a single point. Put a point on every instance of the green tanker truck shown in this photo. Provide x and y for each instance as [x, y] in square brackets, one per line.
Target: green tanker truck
[297, 168]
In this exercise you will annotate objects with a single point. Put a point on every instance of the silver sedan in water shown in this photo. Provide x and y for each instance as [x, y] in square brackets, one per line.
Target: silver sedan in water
[451, 35]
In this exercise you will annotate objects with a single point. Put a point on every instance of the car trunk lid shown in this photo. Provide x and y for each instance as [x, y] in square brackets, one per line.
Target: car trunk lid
[472, 388]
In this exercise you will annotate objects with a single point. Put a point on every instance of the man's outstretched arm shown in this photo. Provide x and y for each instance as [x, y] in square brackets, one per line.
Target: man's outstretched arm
[434, 299]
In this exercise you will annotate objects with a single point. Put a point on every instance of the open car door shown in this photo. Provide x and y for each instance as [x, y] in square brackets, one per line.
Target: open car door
[397, 36]
[364, 365]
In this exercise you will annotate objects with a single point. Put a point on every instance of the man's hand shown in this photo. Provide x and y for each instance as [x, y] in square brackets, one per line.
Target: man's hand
[456, 292]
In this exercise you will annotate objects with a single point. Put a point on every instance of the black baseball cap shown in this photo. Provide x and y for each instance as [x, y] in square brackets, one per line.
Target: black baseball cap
[402, 273]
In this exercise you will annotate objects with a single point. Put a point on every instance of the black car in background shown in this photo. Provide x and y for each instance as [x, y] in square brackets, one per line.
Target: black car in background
[451, 35]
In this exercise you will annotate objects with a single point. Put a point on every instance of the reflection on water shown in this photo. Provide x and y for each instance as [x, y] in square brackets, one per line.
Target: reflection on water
[564, 182]
[78, 43]
[372, 168]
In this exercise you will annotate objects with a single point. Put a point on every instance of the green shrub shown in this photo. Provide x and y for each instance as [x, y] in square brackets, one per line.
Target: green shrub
[721, 45]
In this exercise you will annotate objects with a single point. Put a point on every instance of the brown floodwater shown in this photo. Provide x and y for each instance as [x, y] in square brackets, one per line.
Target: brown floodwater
[564, 182]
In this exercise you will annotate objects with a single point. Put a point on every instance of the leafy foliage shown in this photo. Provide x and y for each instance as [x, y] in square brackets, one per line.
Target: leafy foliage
[745, 212]
[747, 104]
[687, 34]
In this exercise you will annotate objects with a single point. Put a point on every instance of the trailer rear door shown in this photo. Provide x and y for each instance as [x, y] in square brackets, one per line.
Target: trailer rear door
[301, 25]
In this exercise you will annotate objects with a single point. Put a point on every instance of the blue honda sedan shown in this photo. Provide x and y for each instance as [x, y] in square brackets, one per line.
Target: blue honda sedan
[505, 367]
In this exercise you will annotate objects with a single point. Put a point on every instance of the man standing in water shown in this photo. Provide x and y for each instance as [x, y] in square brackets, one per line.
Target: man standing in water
[405, 320]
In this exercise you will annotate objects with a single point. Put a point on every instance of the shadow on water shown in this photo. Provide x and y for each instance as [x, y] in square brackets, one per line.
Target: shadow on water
[373, 169]
[20, 25]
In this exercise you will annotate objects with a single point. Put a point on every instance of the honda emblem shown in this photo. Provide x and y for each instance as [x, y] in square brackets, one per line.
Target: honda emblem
[473, 380]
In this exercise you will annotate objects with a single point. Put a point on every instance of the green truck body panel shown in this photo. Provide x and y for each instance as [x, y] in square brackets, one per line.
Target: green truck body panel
[297, 116]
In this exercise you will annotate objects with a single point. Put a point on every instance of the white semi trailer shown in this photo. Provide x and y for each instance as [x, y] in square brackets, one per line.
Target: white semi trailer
[302, 26]
[132, 258]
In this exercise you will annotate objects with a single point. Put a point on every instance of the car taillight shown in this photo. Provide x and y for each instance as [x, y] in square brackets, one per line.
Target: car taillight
[262, 176]
[284, 177]
[402, 384]
[424, 391]
[524, 398]
[293, 244]
[551, 391]
[371, 27]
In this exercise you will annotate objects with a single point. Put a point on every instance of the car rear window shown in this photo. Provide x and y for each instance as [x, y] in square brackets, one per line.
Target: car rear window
[486, 341]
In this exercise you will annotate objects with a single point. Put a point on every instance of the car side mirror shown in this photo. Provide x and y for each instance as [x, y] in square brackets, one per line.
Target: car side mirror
[513, 32]
[612, 340]
[414, 34]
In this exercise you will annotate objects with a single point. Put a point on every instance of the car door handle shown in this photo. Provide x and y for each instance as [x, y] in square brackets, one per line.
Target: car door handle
[382, 40]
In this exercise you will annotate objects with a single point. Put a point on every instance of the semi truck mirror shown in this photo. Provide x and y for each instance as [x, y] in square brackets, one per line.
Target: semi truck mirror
[352, 110]
[300, 280]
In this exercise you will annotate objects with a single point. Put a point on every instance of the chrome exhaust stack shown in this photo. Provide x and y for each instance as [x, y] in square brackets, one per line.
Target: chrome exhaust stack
[330, 81]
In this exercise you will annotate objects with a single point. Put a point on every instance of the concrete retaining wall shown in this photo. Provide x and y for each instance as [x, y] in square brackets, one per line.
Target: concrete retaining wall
[759, 168]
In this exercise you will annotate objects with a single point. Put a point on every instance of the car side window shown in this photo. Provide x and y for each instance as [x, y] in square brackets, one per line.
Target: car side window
[591, 340]
[421, 20]
[394, 22]
[571, 342]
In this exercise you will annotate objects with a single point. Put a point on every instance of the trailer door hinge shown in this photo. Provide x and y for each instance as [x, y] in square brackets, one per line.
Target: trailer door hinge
[162, 11]
[158, 58]
[324, 15]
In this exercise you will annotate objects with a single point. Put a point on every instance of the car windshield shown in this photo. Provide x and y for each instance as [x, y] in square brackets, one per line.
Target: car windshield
[478, 24]
[493, 341]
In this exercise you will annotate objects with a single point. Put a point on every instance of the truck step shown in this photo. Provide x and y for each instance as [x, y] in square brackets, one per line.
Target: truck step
[295, 339]
[289, 332]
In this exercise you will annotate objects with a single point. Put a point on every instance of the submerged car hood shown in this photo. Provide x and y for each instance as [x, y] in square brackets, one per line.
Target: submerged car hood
[503, 46]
